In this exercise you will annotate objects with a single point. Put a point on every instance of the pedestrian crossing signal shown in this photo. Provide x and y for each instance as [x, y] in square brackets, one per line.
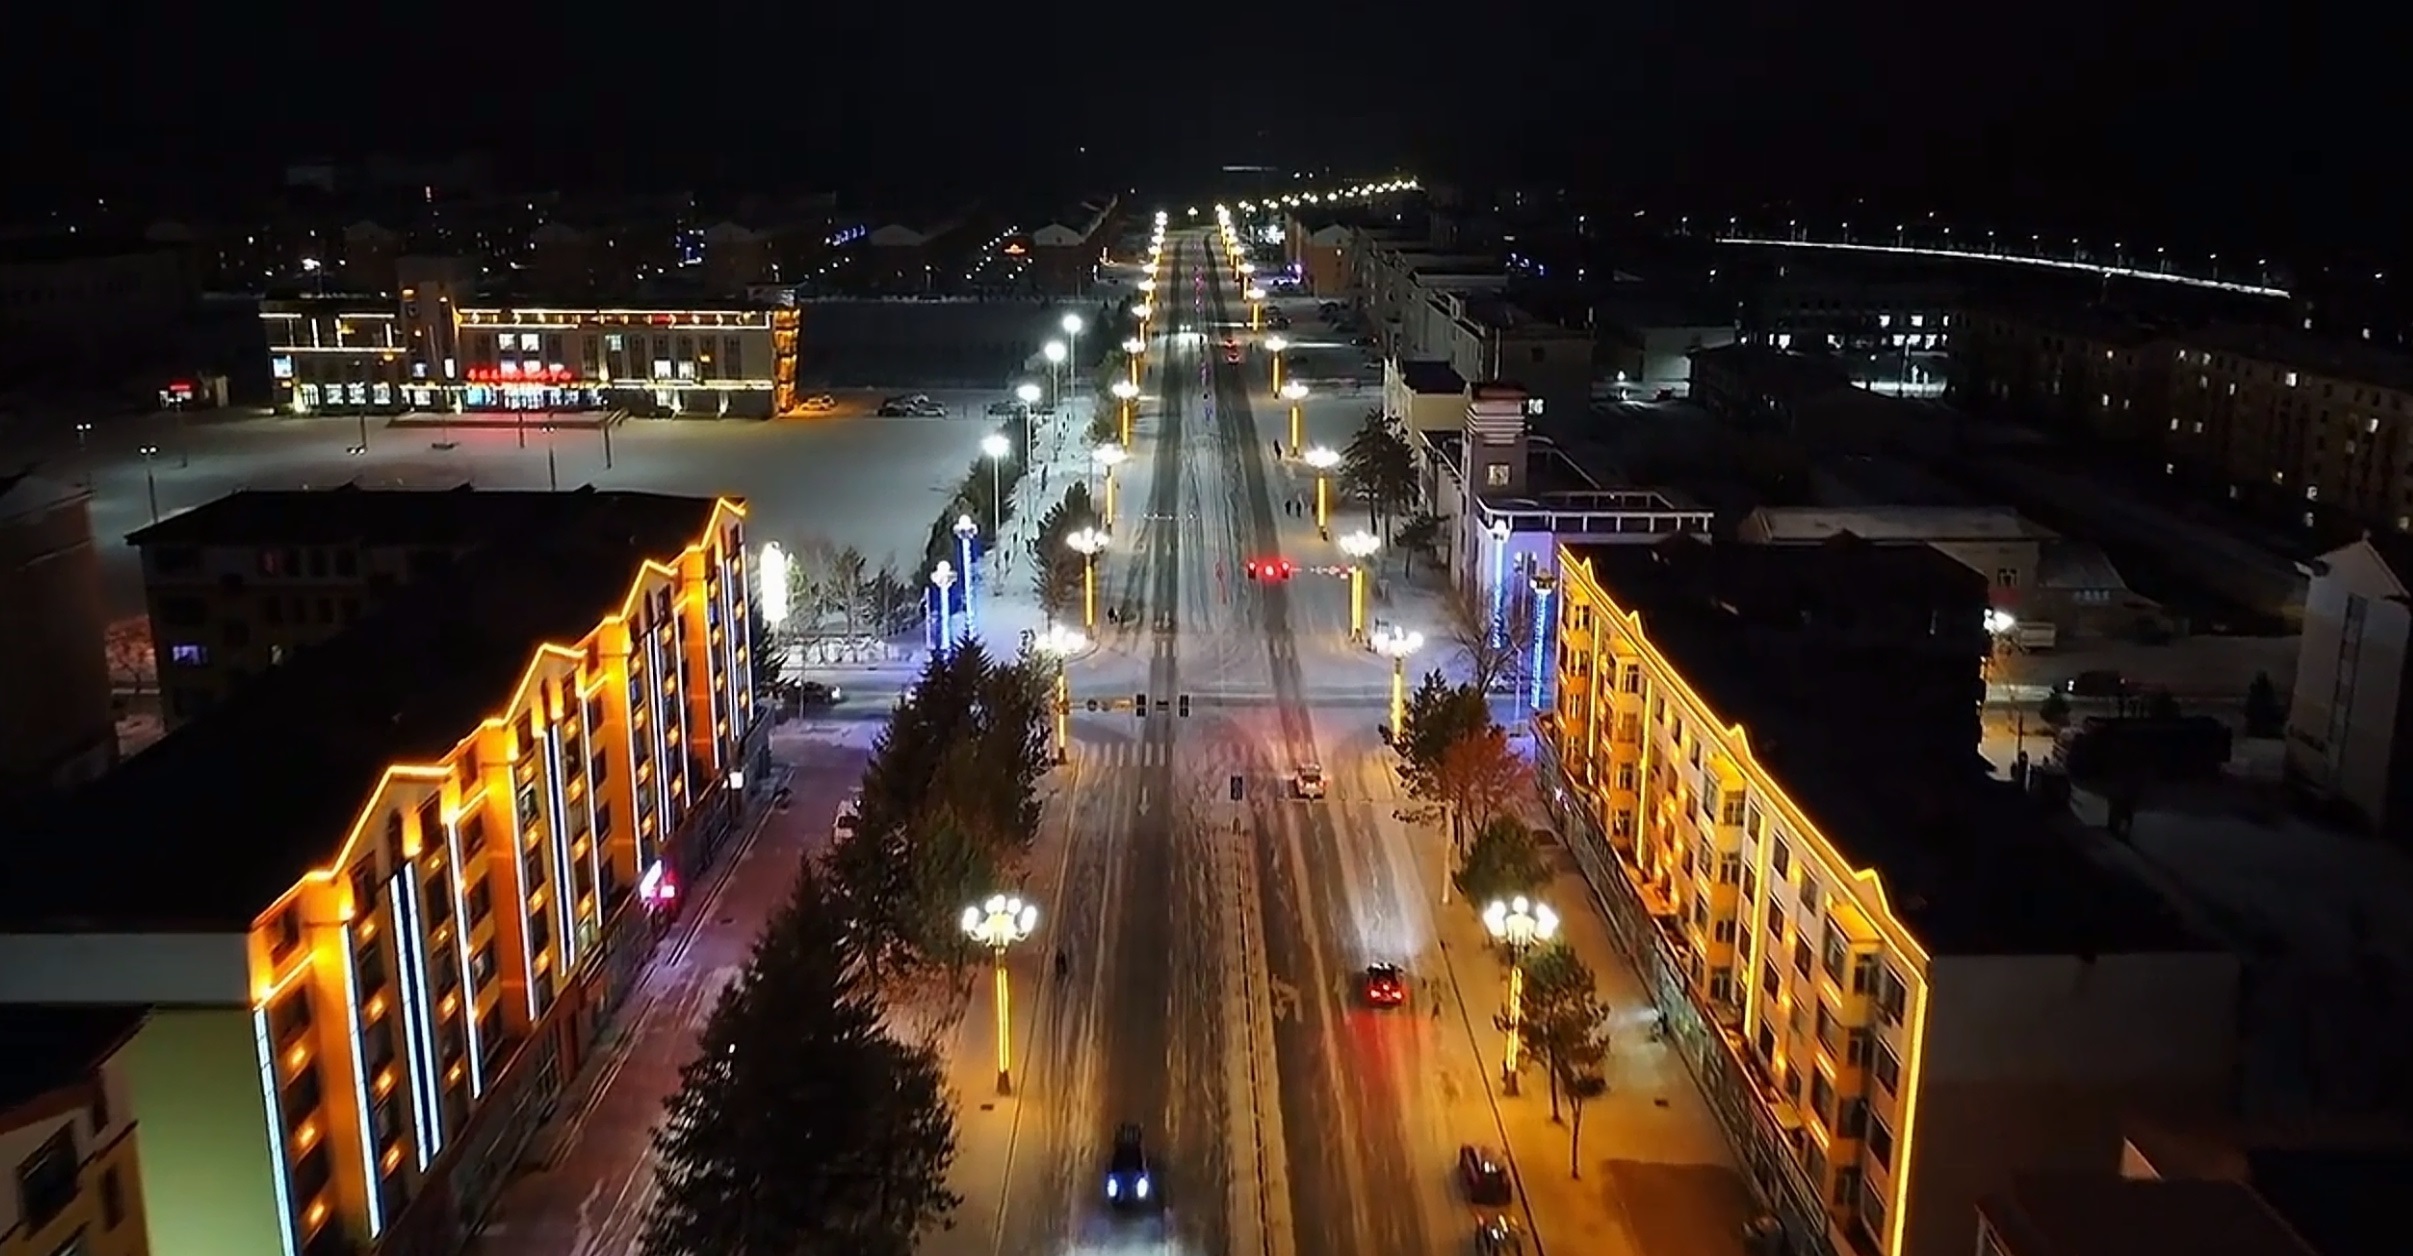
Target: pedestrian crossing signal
[1185, 706]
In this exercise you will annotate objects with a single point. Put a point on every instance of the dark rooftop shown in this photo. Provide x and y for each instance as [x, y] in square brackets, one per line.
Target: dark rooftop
[2091, 1215]
[227, 811]
[352, 515]
[45, 1048]
[1431, 377]
[1853, 667]
[37, 250]
[2344, 1201]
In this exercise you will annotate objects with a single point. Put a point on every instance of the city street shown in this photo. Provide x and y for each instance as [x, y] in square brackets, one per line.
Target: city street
[1213, 944]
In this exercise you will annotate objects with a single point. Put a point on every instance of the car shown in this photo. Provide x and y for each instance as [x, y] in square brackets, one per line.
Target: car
[1499, 1236]
[1485, 1175]
[927, 410]
[1005, 409]
[1308, 781]
[1383, 985]
[2099, 682]
[813, 693]
[895, 410]
[818, 403]
[850, 813]
[1128, 1181]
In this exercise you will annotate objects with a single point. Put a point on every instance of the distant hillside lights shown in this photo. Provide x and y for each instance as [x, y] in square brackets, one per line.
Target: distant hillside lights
[1360, 192]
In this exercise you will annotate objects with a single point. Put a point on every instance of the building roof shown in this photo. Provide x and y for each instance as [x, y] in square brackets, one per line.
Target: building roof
[2077, 565]
[24, 493]
[226, 812]
[1431, 377]
[352, 515]
[2350, 360]
[1853, 669]
[2090, 1215]
[43, 1049]
[1795, 375]
[2344, 1201]
[1925, 524]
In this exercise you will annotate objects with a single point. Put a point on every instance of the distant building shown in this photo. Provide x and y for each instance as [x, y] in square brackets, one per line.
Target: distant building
[388, 892]
[1065, 252]
[1646, 348]
[2350, 724]
[68, 1127]
[1898, 984]
[57, 722]
[69, 304]
[1425, 395]
[904, 259]
[1316, 246]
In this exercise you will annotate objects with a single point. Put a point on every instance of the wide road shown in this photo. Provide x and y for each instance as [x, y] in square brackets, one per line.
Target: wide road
[1213, 944]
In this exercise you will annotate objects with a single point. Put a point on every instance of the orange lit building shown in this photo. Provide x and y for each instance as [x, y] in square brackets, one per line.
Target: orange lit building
[388, 888]
[1895, 983]
[67, 1130]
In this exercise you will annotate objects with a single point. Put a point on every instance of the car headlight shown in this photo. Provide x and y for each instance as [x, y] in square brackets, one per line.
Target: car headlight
[1113, 1188]
[1142, 1188]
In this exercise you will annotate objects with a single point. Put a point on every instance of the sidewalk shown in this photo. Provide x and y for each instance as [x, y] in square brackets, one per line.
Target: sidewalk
[1656, 1175]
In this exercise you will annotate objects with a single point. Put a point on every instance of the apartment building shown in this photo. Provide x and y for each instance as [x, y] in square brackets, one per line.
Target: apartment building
[2082, 370]
[1897, 985]
[2078, 1215]
[57, 720]
[388, 891]
[2350, 718]
[1316, 247]
[67, 1132]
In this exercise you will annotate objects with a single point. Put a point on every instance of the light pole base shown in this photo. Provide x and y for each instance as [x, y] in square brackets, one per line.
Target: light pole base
[1508, 1081]
[1005, 1082]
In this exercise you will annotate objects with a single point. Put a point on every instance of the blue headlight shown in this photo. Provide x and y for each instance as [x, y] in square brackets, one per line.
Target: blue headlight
[1143, 1186]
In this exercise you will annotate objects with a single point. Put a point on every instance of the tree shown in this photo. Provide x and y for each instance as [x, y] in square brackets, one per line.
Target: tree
[1563, 1024]
[1056, 567]
[1437, 716]
[2054, 710]
[133, 667]
[2265, 715]
[1502, 861]
[1493, 640]
[1416, 536]
[801, 1126]
[1380, 466]
[1476, 777]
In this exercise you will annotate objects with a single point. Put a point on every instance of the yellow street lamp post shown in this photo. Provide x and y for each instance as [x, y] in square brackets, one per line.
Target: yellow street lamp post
[1143, 311]
[1399, 643]
[1518, 924]
[1294, 392]
[1108, 457]
[1088, 543]
[1134, 349]
[1256, 308]
[998, 924]
[1061, 643]
[1323, 460]
[1125, 392]
[1359, 546]
[1275, 345]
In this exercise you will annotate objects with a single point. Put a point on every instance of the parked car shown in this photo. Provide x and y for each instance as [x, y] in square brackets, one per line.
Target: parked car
[813, 693]
[818, 403]
[1485, 1176]
[1005, 409]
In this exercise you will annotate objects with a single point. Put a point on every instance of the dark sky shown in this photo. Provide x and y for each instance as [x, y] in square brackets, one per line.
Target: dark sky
[2216, 112]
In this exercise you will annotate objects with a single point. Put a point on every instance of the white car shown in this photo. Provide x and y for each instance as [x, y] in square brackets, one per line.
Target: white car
[1308, 781]
[849, 811]
[819, 403]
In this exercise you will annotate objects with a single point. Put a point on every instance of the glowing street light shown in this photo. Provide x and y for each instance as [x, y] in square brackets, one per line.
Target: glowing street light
[1256, 307]
[942, 578]
[1359, 546]
[150, 478]
[964, 531]
[1061, 643]
[1134, 349]
[1088, 543]
[1275, 345]
[1294, 392]
[1073, 326]
[1323, 460]
[1055, 353]
[1143, 312]
[1108, 457]
[998, 924]
[1398, 643]
[775, 572]
[1517, 924]
[996, 446]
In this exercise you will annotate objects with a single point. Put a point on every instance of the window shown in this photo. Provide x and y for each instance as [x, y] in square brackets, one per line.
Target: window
[480, 902]
[1495, 475]
[113, 1199]
[1888, 1069]
[1835, 951]
[1822, 1099]
[99, 1113]
[1880, 1143]
[46, 1179]
[1890, 995]
[1782, 861]
[188, 654]
[285, 933]
[2007, 577]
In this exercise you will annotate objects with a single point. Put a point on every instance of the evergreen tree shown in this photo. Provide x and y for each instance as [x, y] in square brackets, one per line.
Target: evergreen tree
[1502, 861]
[801, 1126]
[1380, 466]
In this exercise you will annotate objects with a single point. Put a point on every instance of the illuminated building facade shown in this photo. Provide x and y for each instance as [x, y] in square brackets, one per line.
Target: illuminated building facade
[67, 1131]
[1895, 983]
[393, 884]
[432, 352]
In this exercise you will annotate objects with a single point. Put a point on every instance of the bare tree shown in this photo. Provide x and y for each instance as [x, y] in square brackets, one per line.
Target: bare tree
[133, 666]
[1494, 645]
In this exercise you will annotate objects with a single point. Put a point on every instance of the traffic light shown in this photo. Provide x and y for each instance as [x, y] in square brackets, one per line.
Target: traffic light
[1185, 706]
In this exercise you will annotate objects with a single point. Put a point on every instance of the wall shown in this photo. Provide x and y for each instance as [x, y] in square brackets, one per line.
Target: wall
[2032, 1061]
[2359, 766]
[56, 721]
[81, 968]
[193, 1077]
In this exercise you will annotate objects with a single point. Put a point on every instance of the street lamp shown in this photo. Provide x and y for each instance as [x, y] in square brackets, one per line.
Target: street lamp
[1323, 460]
[1133, 349]
[1061, 643]
[942, 577]
[1143, 312]
[1108, 457]
[1125, 392]
[998, 924]
[1517, 924]
[1028, 394]
[1055, 353]
[996, 446]
[1295, 392]
[1072, 326]
[965, 530]
[1088, 543]
[1275, 345]
[1256, 307]
[150, 479]
[1359, 546]
[1399, 643]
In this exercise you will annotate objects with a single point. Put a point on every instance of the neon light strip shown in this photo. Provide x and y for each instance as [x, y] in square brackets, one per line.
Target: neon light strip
[425, 1108]
[654, 710]
[2048, 263]
[648, 850]
[460, 943]
[274, 1103]
[565, 892]
[594, 840]
[519, 881]
[375, 1192]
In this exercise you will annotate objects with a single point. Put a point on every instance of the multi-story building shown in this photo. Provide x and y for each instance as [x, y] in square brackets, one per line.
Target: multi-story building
[57, 722]
[1645, 347]
[2350, 721]
[1316, 246]
[1424, 395]
[1066, 251]
[2084, 370]
[72, 301]
[439, 348]
[67, 1127]
[2087, 1215]
[386, 894]
[1896, 983]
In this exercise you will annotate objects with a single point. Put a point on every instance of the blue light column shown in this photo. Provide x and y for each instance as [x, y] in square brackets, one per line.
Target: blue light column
[1542, 588]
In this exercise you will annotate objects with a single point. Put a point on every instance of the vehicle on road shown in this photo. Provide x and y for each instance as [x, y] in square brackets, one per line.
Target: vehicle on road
[1499, 1236]
[850, 813]
[2098, 682]
[818, 403]
[813, 693]
[1128, 1183]
[1308, 781]
[1231, 351]
[1383, 985]
[1485, 1176]
[1005, 409]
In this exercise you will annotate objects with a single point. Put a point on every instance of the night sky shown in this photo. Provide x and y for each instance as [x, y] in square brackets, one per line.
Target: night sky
[2232, 121]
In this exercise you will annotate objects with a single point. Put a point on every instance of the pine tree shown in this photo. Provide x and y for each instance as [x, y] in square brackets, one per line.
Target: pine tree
[800, 1126]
